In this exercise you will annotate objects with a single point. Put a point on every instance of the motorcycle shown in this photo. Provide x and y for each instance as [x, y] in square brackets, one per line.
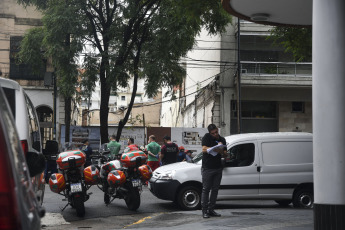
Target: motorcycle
[123, 178]
[72, 181]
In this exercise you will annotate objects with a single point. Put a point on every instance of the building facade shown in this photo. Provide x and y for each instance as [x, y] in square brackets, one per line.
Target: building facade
[274, 90]
[15, 20]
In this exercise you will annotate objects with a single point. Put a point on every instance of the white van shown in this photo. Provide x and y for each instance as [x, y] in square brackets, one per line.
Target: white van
[27, 125]
[271, 166]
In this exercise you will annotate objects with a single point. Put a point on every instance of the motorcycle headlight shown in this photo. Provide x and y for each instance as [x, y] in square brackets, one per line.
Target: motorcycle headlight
[169, 175]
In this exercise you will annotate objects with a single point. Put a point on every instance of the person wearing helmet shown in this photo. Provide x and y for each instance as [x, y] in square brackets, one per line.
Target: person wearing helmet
[181, 155]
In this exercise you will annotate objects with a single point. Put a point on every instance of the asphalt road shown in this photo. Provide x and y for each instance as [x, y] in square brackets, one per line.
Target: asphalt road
[156, 213]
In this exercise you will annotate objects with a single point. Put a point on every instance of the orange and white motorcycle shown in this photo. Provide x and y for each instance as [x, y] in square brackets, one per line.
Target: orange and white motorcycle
[124, 178]
[72, 180]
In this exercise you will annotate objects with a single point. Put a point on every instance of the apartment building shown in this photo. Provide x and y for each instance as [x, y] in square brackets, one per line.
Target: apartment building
[275, 91]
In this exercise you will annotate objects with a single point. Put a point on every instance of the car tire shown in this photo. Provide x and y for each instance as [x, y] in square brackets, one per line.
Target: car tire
[283, 203]
[303, 198]
[189, 198]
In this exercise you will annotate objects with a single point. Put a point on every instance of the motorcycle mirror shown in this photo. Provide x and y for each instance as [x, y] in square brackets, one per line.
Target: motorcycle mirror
[36, 163]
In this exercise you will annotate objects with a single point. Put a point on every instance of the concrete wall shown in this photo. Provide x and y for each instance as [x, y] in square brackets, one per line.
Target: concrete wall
[292, 121]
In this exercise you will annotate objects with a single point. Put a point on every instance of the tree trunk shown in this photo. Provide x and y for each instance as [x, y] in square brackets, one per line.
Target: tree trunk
[68, 102]
[104, 108]
[123, 121]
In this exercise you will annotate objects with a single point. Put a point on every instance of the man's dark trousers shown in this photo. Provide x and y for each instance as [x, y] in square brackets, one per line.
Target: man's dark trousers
[211, 179]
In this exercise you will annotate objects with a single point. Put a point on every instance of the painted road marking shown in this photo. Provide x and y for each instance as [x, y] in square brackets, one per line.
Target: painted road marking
[277, 225]
[143, 219]
[53, 219]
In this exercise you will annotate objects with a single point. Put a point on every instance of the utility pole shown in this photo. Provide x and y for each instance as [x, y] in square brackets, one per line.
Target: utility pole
[239, 109]
[54, 105]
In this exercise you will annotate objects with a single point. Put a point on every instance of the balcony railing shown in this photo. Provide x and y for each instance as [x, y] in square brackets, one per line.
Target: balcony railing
[297, 69]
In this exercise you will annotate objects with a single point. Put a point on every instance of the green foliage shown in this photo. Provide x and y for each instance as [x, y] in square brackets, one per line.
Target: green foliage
[295, 40]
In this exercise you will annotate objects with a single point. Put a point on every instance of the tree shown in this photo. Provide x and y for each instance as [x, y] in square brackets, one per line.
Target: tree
[135, 38]
[294, 39]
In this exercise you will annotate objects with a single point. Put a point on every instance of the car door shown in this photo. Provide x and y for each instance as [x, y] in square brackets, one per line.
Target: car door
[240, 175]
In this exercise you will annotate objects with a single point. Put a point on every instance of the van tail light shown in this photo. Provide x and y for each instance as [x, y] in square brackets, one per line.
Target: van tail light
[9, 215]
[25, 146]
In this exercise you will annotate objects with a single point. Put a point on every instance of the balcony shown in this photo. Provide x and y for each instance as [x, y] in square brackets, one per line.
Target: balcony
[280, 74]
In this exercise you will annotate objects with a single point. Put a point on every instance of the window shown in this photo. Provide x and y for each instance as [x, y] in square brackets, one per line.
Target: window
[240, 155]
[123, 98]
[255, 109]
[21, 71]
[297, 107]
[33, 125]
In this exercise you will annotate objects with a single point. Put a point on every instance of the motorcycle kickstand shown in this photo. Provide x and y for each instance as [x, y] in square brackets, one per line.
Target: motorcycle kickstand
[110, 201]
[64, 207]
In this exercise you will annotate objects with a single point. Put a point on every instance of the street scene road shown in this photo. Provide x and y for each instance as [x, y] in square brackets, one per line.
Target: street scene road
[156, 213]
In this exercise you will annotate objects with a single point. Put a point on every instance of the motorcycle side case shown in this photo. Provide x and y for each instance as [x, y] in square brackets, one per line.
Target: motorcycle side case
[116, 178]
[57, 182]
[91, 175]
[130, 159]
[145, 172]
[64, 159]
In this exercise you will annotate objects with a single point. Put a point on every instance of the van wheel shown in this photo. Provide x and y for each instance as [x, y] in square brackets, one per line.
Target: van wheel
[303, 198]
[189, 198]
[283, 203]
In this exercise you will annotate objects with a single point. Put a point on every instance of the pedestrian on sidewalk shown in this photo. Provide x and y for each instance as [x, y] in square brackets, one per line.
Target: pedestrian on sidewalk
[114, 147]
[169, 151]
[153, 151]
[211, 170]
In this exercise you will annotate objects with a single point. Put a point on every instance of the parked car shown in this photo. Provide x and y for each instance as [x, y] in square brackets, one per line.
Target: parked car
[27, 124]
[18, 204]
[270, 166]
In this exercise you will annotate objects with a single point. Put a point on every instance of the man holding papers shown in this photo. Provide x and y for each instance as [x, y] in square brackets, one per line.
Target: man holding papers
[213, 148]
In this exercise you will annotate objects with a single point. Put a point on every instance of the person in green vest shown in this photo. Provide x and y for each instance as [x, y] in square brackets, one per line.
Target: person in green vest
[154, 151]
[114, 147]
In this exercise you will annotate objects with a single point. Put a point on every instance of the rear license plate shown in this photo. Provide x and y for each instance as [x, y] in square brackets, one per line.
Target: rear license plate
[136, 183]
[76, 188]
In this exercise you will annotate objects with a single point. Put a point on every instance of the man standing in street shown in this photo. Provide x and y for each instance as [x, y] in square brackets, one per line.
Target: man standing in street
[153, 151]
[169, 151]
[114, 147]
[211, 170]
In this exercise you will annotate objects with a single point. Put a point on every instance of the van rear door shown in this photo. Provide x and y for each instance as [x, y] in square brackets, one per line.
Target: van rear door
[240, 176]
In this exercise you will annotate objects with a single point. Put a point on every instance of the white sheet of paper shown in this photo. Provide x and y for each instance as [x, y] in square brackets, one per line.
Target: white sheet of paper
[213, 149]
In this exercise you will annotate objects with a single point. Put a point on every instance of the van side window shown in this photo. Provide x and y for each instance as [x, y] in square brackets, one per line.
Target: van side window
[240, 155]
[33, 125]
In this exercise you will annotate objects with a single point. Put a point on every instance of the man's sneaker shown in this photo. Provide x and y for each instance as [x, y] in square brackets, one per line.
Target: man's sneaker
[213, 213]
[205, 214]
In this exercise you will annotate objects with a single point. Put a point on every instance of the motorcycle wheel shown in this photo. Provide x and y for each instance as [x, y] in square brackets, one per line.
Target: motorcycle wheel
[133, 199]
[78, 203]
